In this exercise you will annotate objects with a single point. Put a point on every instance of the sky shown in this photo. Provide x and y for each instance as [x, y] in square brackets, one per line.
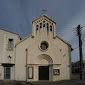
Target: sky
[17, 16]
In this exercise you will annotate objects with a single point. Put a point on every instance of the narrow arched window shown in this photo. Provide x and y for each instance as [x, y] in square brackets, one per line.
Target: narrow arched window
[47, 25]
[36, 27]
[43, 21]
[40, 25]
[43, 25]
[50, 28]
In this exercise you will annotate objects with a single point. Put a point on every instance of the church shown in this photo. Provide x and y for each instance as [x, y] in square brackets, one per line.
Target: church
[40, 56]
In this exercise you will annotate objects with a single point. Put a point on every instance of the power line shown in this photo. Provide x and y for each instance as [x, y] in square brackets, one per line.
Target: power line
[83, 38]
[75, 48]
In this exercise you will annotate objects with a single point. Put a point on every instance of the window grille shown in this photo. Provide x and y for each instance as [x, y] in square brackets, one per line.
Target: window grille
[10, 45]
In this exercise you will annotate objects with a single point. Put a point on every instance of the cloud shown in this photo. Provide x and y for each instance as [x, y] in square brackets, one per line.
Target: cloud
[71, 37]
[73, 23]
[67, 14]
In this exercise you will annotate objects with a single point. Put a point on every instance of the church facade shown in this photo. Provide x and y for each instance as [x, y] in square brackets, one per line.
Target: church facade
[40, 56]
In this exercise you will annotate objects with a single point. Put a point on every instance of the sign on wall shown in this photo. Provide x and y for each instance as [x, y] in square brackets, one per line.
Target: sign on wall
[56, 71]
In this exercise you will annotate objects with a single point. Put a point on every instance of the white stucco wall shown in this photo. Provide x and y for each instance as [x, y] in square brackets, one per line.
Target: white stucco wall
[1, 72]
[65, 59]
[4, 53]
[58, 51]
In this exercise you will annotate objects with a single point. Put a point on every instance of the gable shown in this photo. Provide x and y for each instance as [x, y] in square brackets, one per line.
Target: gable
[9, 31]
[63, 40]
[44, 16]
[24, 39]
[44, 25]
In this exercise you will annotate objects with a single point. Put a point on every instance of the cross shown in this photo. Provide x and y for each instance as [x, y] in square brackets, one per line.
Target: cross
[44, 11]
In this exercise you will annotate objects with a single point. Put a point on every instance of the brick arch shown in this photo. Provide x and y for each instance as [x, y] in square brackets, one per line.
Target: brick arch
[46, 57]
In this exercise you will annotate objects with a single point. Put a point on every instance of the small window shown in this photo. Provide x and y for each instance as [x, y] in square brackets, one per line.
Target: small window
[43, 25]
[30, 72]
[43, 21]
[10, 41]
[47, 25]
[10, 44]
[36, 27]
[40, 25]
[50, 28]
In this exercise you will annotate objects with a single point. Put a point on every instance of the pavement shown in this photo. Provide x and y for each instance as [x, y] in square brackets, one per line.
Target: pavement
[65, 82]
[68, 82]
[9, 82]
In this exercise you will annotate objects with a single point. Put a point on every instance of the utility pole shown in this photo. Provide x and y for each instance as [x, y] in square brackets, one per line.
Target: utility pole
[80, 51]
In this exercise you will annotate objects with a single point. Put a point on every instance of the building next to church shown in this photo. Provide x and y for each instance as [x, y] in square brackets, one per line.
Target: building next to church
[8, 40]
[40, 56]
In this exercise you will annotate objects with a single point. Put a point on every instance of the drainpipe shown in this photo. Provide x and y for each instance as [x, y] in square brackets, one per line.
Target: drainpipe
[26, 62]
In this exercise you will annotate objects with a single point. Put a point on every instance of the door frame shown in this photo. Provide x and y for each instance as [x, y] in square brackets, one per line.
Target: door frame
[5, 73]
[39, 73]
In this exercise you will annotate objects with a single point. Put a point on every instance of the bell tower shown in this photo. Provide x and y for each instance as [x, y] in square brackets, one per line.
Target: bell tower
[44, 27]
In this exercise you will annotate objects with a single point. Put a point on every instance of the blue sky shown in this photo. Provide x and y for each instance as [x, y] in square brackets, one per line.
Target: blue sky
[17, 16]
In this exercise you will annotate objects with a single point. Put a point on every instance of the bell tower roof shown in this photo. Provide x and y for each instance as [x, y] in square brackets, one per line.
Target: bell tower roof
[44, 26]
[44, 16]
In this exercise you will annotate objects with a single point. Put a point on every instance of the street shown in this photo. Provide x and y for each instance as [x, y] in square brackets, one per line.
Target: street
[70, 82]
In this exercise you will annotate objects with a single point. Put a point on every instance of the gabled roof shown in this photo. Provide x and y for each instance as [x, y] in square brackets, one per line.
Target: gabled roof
[23, 39]
[63, 40]
[10, 32]
[44, 15]
[31, 36]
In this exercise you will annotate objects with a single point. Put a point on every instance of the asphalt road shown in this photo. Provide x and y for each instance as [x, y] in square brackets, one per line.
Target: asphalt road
[71, 82]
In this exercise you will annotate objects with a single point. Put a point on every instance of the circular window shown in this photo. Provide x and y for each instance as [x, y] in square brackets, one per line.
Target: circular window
[44, 45]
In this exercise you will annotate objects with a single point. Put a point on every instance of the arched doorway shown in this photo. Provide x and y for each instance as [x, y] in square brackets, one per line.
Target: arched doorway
[45, 71]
